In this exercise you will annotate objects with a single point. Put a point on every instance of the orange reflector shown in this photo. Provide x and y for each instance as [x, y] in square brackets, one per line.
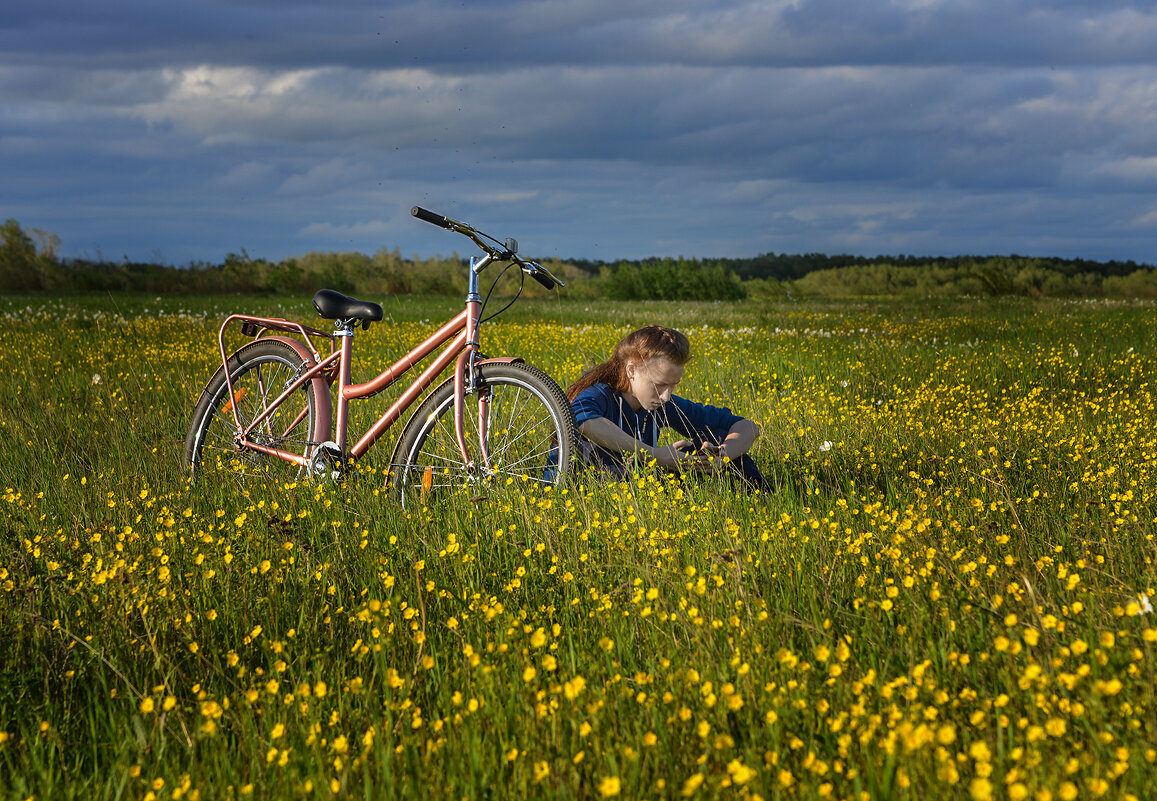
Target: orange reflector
[427, 483]
[237, 396]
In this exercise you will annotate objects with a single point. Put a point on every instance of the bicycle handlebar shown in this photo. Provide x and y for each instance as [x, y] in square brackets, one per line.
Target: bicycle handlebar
[430, 217]
[545, 278]
[534, 270]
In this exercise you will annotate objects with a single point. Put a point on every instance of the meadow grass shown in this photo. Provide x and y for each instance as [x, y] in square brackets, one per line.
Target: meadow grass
[947, 594]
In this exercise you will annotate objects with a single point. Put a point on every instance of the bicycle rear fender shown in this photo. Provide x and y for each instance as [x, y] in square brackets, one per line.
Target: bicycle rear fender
[320, 385]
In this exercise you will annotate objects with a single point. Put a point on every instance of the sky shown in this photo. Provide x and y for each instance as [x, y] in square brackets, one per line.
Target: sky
[183, 130]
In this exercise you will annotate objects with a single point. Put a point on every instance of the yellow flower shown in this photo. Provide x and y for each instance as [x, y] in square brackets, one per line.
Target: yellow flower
[610, 786]
[946, 734]
[979, 751]
[740, 773]
[572, 688]
[1110, 687]
[980, 789]
[147, 705]
[692, 783]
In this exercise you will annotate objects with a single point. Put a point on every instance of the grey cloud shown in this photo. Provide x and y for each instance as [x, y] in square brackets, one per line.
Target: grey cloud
[645, 125]
[484, 36]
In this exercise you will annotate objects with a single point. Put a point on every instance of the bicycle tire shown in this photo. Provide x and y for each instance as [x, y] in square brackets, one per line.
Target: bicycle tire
[260, 371]
[531, 432]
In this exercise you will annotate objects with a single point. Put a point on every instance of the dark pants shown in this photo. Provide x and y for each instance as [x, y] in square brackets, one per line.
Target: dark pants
[743, 471]
[746, 474]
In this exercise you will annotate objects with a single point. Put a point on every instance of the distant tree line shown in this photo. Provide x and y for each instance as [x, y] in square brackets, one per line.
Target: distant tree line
[29, 262]
[816, 274]
[26, 267]
[992, 276]
[670, 279]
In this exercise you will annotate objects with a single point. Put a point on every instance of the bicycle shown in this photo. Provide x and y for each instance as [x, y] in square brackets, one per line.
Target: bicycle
[268, 405]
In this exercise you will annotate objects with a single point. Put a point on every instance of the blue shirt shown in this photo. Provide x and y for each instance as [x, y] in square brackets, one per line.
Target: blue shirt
[697, 422]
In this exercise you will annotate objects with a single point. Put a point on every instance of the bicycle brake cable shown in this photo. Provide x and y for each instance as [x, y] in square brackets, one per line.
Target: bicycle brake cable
[521, 284]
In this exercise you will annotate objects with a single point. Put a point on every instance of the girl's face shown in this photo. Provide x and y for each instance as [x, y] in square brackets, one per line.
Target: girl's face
[653, 381]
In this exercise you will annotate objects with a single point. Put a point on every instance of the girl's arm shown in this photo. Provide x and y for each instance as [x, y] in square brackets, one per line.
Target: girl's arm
[739, 439]
[606, 434]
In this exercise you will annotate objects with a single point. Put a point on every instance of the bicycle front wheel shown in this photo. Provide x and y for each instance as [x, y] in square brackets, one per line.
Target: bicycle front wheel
[261, 371]
[517, 424]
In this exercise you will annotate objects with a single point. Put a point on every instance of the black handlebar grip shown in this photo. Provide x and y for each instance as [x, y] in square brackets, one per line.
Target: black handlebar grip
[543, 279]
[430, 217]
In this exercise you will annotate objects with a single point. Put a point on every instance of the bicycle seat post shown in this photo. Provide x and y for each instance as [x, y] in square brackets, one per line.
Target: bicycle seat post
[344, 330]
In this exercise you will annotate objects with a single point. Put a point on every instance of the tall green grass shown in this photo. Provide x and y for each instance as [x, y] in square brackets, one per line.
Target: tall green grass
[945, 596]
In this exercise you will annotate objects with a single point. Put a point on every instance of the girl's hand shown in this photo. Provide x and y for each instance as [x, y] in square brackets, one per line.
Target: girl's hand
[677, 454]
[708, 459]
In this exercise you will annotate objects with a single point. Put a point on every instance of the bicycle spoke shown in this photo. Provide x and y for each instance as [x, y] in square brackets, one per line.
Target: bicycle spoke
[528, 429]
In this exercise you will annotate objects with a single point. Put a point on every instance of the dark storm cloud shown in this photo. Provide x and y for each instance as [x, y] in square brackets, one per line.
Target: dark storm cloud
[605, 128]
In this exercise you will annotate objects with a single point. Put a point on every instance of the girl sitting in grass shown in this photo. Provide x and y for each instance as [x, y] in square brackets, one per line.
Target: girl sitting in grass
[621, 405]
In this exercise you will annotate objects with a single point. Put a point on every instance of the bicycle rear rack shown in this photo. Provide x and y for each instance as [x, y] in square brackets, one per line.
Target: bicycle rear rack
[259, 327]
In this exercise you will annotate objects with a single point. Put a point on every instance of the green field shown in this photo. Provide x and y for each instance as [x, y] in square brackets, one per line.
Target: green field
[947, 595]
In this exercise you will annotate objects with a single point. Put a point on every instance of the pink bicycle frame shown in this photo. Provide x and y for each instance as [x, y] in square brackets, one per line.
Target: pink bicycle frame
[461, 333]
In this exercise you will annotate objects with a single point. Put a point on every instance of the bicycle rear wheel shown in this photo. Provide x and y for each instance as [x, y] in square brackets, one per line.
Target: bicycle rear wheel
[261, 371]
[517, 415]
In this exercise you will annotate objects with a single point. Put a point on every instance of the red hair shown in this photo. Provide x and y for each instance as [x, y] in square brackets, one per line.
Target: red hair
[639, 347]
